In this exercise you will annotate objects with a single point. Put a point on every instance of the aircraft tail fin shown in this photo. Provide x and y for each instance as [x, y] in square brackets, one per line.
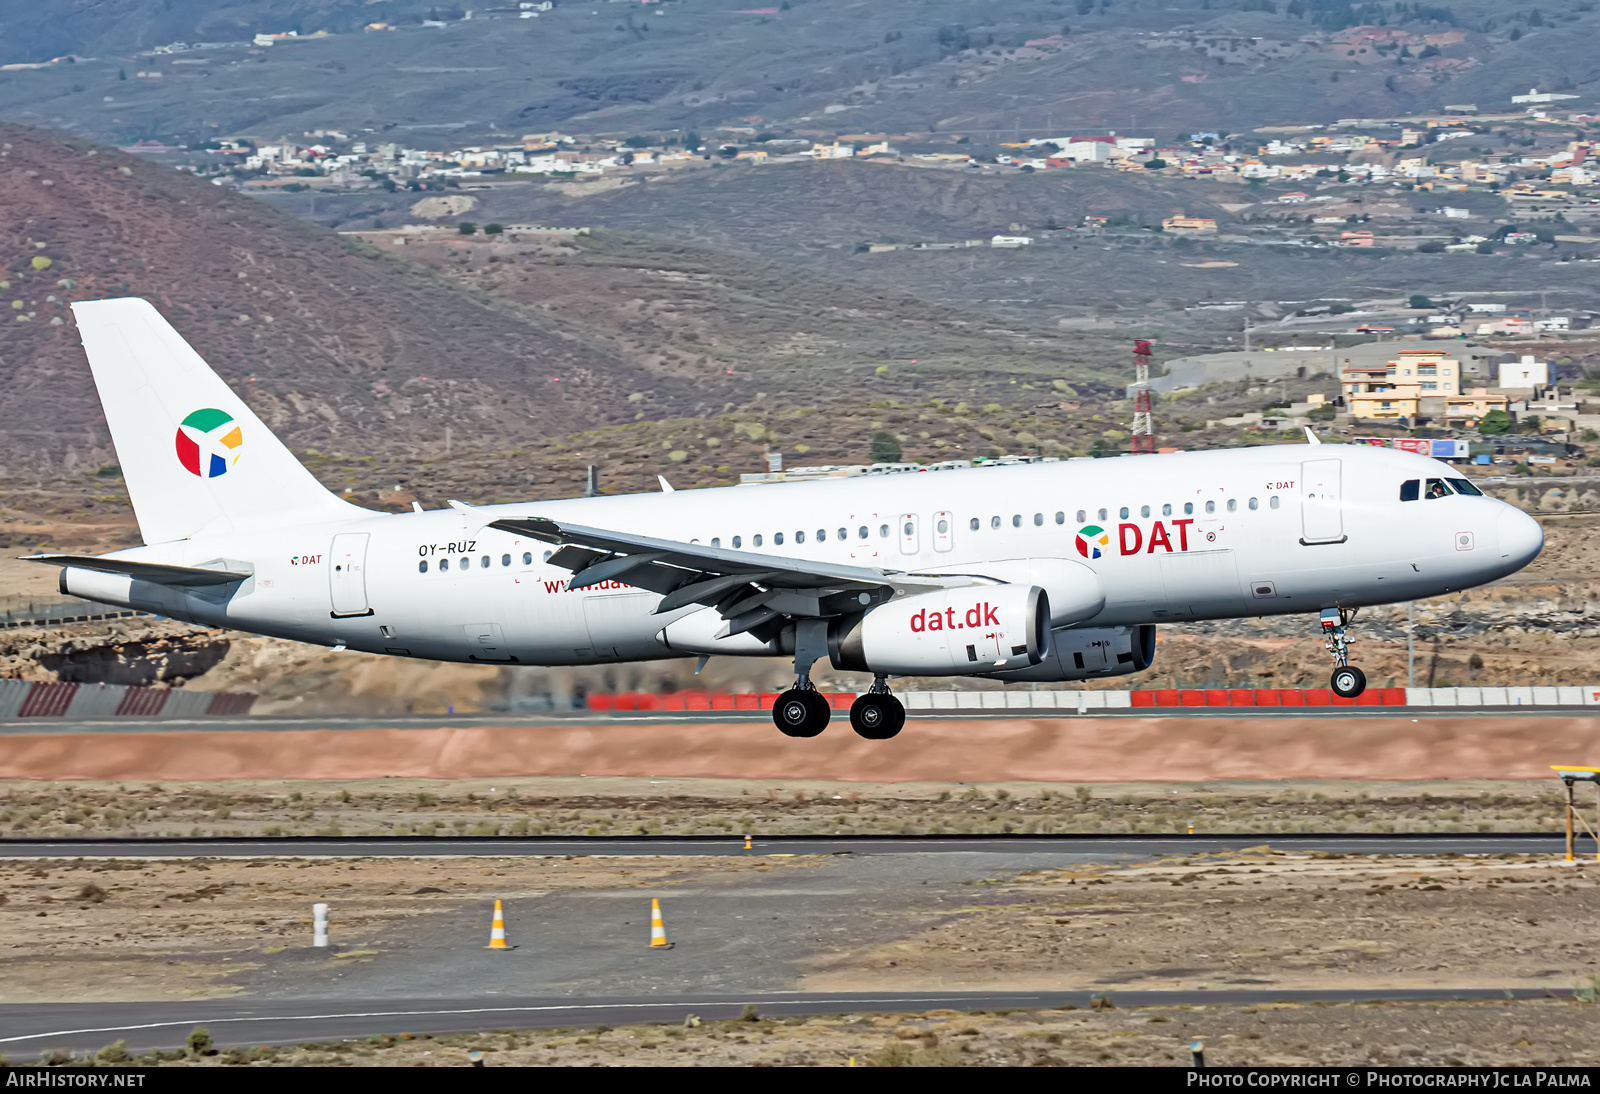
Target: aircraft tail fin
[195, 458]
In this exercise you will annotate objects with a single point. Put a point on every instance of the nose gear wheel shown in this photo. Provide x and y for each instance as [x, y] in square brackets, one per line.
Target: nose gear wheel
[1347, 681]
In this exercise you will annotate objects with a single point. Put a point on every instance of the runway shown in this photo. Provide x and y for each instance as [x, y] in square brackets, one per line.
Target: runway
[1356, 843]
[34, 1028]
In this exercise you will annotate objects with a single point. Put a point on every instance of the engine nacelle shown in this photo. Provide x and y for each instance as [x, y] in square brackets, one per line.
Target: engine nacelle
[1086, 653]
[952, 632]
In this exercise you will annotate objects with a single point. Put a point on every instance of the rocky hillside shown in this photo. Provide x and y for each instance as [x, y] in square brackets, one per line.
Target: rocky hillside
[336, 346]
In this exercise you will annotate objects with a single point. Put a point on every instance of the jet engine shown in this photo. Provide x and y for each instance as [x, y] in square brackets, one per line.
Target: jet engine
[1086, 653]
[953, 632]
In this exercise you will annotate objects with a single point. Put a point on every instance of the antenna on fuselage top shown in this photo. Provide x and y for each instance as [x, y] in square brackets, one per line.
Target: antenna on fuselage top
[1311, 438]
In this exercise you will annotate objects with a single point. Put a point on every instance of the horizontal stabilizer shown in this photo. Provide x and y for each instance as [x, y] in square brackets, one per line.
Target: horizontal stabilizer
[157, 572]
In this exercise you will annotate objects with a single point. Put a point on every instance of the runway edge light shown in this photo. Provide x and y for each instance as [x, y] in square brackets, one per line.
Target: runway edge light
[497, 931]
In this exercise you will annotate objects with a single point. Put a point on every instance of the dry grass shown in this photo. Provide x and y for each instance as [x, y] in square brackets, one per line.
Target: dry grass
[620, 807]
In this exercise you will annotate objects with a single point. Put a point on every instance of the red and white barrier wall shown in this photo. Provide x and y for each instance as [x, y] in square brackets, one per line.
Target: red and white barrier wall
[27, 699]
[628, 702]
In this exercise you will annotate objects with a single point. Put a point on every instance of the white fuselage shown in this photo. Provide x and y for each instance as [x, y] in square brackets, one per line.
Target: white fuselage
[1205, 535]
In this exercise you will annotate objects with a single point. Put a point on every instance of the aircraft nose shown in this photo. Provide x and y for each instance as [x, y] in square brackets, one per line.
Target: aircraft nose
[1521, 537]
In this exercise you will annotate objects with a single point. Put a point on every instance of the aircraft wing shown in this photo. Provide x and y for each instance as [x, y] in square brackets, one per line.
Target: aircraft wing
[749, 590]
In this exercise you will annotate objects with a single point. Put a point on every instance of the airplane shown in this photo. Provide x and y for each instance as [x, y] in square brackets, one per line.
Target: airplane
[1038, 572]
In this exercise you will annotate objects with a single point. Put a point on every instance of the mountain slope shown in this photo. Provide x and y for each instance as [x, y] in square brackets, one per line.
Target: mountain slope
[334, 344]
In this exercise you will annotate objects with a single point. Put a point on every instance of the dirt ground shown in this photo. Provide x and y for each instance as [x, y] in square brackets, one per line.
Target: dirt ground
[625, 806]
[86, 930]
[1254, 919]
[1505, 1033]
[119, 930]
[1045, 746]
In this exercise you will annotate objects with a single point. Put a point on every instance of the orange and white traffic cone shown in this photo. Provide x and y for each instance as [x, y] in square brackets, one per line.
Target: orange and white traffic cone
[497, 931]
[658, 929]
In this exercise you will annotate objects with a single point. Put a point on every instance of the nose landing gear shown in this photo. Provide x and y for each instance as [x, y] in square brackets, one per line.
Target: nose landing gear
[877, 715]
[1347, 681]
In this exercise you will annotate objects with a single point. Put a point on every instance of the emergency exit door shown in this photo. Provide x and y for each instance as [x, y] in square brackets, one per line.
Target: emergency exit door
[1321, 502]
[347, 575]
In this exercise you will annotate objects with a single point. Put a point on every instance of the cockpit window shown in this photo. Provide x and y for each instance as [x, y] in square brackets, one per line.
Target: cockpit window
[1436, 489]
[1464, 486]
[1411, 490]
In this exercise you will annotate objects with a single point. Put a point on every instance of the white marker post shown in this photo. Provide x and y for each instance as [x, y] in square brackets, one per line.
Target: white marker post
[319, 924]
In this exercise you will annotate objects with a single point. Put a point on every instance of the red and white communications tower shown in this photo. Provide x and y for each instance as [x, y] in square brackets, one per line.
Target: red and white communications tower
[1144, 438]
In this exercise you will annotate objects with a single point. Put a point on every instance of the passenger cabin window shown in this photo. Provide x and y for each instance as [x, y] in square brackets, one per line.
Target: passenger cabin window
[1144, 510]
[444, 564]
[1188, 508]
[1254, 504]
[466, 564]
[1123, 512]
[1411, 490]
[547, 555]
[1038, 520]
[1166, 510]
[738, 541]
[484, 562]
[1102, 514]
[1233, 505]
[1273, 503]
[1016, 521]
[975, 524]
[527, 558]
[1436, 488]
[777, 540]
[1082, 516]
[861, 533]
[883, 531]
[755, 541]
[943, 527]
[1061, 518]
[1463, 486]
[505, 560]
[716, 541]
[844, 534]
[1211, 507]
[822, 535]
[422, 567]
[994, 522]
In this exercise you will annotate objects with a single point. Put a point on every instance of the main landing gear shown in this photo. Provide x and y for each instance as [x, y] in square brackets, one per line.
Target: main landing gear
[1347, 681]
[877, 715]
[801, 712]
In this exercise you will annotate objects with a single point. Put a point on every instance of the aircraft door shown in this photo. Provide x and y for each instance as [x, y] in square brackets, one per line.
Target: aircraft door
[1321, 502]
[347, 575]
[943, 531]
[910, 541]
